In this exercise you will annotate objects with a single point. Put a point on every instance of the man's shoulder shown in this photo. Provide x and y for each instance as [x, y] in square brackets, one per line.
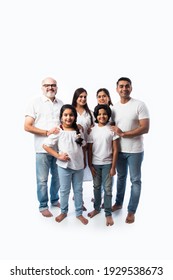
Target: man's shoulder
[36, 99]
[137, 101]
[59, 101]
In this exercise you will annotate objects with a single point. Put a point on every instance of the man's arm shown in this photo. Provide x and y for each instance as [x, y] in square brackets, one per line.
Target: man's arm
[29, 127]
[141, 129]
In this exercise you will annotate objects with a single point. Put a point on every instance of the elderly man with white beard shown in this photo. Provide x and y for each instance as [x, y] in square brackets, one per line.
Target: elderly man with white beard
[42, 114]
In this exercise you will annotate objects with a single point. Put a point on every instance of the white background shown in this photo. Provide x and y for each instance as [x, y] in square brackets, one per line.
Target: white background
[86, 44]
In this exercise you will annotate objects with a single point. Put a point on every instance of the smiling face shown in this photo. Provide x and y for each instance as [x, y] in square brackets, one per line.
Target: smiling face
[124, 89]
[82, 99]
[67, 118]
[102, 98]
[102, 117]
[49, 88]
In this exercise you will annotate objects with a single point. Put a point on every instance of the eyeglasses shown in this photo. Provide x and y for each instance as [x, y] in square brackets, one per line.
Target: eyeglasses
[49, 85]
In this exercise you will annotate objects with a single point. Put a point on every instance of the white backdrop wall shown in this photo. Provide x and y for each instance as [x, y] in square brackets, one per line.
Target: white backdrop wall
[86, 44]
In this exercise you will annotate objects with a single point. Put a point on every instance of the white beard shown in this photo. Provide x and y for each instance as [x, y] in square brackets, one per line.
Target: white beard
[50, 94]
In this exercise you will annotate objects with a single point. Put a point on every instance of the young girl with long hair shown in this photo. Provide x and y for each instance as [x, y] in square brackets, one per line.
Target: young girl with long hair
[70, 161]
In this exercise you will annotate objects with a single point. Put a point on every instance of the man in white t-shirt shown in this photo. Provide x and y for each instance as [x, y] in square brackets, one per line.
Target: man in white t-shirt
[131, 118]
[42, 114]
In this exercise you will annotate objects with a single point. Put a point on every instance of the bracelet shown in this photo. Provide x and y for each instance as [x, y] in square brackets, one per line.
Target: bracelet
[46, 132]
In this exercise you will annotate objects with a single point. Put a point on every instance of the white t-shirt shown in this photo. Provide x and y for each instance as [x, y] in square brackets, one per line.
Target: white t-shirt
[101, 137]
[65, 142]
[46, 116]
[127, 117]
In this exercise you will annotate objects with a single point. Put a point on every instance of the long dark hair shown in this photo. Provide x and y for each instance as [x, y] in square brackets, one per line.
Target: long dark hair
[76, 94]
[78, 140]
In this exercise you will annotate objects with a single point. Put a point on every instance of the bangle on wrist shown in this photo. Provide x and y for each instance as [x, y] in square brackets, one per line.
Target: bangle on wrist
[46, 132]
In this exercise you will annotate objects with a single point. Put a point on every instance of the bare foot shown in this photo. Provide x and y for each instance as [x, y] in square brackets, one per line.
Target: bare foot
[60, 217]
[116, 207]
[84, 208]
[109, 221]
[82, 219]
[93, 213]
[46, 213]
[57, 205]
[130, 218]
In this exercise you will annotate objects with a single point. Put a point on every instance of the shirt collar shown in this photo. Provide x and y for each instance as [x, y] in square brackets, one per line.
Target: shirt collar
[45, 99]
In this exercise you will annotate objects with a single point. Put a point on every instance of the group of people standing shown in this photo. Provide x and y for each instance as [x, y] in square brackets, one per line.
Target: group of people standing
[70, 138]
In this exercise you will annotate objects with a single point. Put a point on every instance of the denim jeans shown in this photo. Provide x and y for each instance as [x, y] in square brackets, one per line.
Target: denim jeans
[67, 178]
[133, 161]
[46, 164]
[103, 178]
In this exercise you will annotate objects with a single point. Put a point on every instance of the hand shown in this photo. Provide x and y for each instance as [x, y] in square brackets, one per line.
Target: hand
[63, 157]
[117, 130]
[112, 172]
[93, 171]
[54, 130]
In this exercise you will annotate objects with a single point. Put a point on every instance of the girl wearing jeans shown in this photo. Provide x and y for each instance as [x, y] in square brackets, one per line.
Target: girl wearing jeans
[70, 161]
[102, 157]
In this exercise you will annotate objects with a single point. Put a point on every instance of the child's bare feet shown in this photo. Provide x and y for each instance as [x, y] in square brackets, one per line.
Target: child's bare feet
[130, 218]
[82, 219]
[116, 207]
[93, 213]
[109, 221]
[46, 213]
[60, 217]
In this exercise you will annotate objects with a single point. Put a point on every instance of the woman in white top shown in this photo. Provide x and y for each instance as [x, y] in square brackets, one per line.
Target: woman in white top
[85, 119]
[70, 160]
[85, 116]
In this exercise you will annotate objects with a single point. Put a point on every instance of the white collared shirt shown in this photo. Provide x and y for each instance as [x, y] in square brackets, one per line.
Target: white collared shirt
[46, 116]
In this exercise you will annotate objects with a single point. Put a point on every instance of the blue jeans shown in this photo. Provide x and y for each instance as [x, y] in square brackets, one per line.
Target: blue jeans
[133, 161]
[46, 163]
[103, 179]
[67, 177]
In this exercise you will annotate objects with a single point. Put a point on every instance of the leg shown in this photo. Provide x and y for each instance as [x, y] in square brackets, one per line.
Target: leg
[55, 185]
[77, 184]
[42, 173]
[135, 162]
[122, 169]
[107, 186]
[65, 176]
[97, 182]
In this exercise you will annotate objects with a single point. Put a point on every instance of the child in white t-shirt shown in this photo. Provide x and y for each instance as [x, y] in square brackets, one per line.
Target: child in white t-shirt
[103, 146]
[70, 161]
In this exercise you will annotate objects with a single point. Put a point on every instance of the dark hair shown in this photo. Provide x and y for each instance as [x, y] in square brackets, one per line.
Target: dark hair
[107, 93]
[76, 94]
[78, 140]
[124, 79]
[102, 106]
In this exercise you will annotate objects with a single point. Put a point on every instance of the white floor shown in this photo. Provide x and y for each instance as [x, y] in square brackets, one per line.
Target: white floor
[25, 234]
[28, 239]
